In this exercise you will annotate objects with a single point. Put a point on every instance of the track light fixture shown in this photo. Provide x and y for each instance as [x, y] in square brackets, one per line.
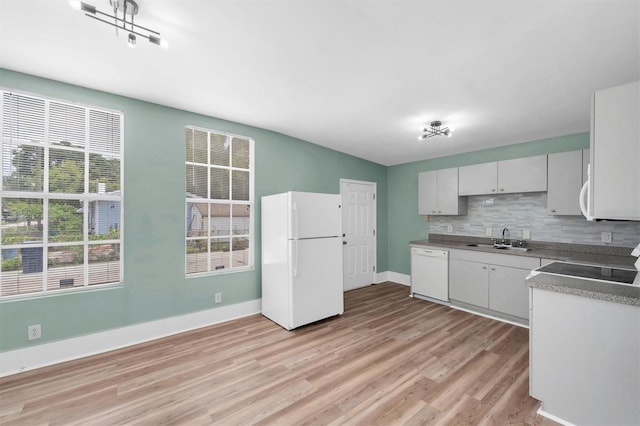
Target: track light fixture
[435, 129]
[123, 13]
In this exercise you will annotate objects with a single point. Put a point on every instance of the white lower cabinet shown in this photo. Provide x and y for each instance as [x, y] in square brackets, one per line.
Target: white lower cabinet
[495, 283]
[469, 282]
[507, 291]
[584, 358]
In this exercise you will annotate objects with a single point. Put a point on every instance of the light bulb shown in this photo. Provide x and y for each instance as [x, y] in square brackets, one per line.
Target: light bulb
[131, 40]
[79, 5]
[157, 40]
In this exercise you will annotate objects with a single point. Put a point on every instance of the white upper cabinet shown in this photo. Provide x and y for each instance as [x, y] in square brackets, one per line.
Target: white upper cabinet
[565, 182]
[527, 174]
[615, 153]
[438, 193]
[428, 192]
[478, 179]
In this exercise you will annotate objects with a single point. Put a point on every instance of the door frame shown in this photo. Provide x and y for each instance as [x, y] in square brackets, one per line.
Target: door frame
[375, 219]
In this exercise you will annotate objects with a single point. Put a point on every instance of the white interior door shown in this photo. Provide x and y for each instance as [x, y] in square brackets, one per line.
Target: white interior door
[359, 232]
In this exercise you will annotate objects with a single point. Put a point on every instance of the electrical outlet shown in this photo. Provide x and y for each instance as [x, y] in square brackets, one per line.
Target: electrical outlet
[488, 232]
[606, 237]
[218, 298]
[526, 234]
[449, 228]
[34, 332]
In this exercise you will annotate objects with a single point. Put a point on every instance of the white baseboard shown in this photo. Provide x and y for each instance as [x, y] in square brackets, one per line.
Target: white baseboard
[30, 358]
[396, 277]
[554, 418]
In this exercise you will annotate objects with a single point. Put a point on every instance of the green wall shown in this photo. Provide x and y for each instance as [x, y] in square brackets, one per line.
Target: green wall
[155, 286]
[154, 283]
[402, 182]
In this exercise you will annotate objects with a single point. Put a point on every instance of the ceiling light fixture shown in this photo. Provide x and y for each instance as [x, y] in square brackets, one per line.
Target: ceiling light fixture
[123, 14]
[435, 129]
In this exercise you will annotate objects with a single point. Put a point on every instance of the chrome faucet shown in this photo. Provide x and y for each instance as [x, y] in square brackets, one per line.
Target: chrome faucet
[505, 231]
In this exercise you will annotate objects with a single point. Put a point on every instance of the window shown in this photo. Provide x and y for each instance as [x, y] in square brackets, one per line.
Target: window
[218, 202]
[61, 196]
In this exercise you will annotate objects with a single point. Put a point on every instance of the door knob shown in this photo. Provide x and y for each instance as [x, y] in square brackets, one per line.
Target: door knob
[344, 243]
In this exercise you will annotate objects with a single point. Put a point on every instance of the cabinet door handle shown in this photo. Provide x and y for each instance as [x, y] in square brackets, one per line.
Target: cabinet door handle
[439, 211]
[484, 267]
[553, 210]
[493, 190]
[501, 189]
[493, 269]
[433, 211]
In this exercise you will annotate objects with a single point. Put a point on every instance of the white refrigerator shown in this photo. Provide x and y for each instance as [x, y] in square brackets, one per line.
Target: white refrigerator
[301, 257]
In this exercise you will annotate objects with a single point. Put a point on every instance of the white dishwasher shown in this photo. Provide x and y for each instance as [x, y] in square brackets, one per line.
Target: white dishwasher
[430, 274]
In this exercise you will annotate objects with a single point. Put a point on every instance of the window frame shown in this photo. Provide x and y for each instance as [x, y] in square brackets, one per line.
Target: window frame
[85, 197]
[209, 201]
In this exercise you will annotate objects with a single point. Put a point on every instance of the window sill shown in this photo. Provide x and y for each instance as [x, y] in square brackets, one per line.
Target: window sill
[219, 272]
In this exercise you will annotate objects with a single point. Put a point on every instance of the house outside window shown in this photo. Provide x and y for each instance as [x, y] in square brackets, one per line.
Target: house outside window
[61, 195]
[218, 202]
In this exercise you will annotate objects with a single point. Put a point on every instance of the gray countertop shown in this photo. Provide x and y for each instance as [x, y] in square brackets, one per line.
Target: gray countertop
[602, 290]
[598, 255]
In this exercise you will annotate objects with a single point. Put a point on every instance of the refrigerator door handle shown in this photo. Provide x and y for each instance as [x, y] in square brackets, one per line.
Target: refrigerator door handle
[295, 258]
[295, 221]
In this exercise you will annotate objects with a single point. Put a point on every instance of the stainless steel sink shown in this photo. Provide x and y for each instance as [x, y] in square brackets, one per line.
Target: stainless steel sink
[511, 248]
[480, 245]
[499, 247]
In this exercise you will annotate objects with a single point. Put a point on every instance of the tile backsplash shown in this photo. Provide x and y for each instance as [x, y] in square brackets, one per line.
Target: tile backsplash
[528, 211]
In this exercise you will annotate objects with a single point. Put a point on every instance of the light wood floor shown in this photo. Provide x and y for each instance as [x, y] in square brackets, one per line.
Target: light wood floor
[388, 360]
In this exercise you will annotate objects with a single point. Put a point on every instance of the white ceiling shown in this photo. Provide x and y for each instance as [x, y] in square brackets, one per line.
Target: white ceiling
[357, 76]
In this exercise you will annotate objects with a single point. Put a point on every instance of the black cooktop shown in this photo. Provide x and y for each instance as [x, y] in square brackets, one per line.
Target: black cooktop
[624, 276]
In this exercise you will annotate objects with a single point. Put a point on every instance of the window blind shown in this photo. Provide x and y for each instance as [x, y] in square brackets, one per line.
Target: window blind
[61, 195]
